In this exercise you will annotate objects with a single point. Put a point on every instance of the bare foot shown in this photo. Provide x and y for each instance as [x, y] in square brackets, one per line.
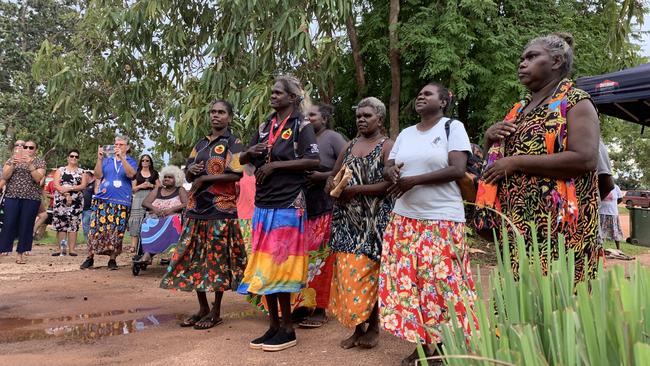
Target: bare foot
[353, 340]
[370, 338]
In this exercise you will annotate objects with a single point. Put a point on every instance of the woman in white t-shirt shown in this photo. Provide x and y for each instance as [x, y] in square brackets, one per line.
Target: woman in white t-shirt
[424, 261]
[610, 225]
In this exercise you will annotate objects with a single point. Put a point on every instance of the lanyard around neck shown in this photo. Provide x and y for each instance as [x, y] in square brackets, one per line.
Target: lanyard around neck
[273, 137]
[117, 169]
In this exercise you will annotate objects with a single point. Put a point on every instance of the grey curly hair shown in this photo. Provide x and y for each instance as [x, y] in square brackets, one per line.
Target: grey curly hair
[558, 45]
[174, 171]
[376, 104]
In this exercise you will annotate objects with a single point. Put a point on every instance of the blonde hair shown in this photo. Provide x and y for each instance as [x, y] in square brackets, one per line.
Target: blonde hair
[293, 86]
[176, 172]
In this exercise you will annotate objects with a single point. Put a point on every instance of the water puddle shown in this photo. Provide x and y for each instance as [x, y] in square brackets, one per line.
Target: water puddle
[13, 323]
[12, 329]
[88, 332]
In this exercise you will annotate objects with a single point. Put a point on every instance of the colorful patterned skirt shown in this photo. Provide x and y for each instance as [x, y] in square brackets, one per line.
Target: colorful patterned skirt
[354, 288]
[424, 266]
[246, 233]
[610, 228]
[210, 256]
[159, 233]
[107, 225]
[278, 260]
[321, 264]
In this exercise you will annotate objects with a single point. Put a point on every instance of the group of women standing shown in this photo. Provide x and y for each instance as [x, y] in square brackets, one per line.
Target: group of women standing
[390, 251]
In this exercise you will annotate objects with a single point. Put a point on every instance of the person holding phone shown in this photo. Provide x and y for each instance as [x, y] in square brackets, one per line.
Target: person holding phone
[23, 173]
[111, 204]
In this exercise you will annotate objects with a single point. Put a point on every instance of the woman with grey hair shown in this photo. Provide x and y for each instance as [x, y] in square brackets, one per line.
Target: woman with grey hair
[111, 204]
[360, 217]
[547, 148]
[162, 203]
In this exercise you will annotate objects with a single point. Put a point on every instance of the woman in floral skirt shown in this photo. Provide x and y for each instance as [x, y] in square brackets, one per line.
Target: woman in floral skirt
[210, 255]
[425, 262]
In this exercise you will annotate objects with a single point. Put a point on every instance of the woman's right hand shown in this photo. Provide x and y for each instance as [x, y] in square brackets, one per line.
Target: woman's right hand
[393, 172]
[100, 152]
[257, 149]
[196, 168]
[499, 131]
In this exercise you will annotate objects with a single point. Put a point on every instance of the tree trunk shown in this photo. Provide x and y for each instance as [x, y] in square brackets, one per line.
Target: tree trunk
[356, 55]
[395, 76]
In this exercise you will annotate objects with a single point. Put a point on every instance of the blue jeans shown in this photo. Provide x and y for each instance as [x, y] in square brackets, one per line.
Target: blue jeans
[20, 215]
[85, 222]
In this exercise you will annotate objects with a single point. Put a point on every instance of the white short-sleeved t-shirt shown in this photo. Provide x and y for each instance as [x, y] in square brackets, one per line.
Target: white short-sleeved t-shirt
[609, 204]
[425, 152]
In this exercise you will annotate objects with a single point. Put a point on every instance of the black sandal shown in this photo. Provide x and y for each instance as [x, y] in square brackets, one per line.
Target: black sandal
[210, 322]
[189, 322]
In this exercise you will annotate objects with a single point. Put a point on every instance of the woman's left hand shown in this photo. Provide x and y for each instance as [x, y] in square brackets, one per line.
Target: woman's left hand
[401, 186]
[500, 169]
[264, 172]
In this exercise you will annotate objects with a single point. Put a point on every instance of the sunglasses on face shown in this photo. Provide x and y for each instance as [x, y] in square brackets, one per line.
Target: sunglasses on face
[73, 156]
[29, 147]
[146, 161]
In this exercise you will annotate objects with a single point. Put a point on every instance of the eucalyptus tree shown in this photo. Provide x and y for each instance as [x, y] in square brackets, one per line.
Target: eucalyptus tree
[154, 65]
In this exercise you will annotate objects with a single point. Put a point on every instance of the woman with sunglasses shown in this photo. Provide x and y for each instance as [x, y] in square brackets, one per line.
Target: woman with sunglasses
[23, 173]
[69, 183]
[146, 179]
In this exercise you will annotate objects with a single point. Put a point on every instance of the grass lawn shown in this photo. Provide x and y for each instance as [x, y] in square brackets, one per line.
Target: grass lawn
[50, 238]
[622, 210]
[628, 249]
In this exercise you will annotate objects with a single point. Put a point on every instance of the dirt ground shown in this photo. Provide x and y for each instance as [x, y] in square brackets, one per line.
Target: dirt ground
[52, 313]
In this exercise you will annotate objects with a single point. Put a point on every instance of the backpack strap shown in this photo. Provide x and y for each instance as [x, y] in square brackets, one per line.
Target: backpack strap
[448, 126]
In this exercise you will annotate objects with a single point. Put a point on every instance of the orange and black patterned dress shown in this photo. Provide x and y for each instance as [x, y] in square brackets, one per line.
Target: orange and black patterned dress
[567, 207]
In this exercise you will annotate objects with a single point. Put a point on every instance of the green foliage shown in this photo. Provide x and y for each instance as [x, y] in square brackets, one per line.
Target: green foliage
[151, 67]
[156, 64]
[543, 319]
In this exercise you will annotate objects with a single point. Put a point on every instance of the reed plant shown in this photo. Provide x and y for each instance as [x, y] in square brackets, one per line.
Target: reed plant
[534, 318]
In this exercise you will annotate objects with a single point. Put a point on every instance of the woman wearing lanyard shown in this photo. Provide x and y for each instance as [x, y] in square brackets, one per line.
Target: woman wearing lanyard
[111, 204]
[282, 150]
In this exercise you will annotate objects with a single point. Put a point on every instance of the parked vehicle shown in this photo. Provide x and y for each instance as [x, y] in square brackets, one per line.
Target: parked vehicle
[637, 198]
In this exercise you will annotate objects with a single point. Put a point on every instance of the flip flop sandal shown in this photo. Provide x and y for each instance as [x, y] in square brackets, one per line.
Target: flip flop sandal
[72, 254]
[211, 322]
[313, 323]
[18, 261]
[189, 322]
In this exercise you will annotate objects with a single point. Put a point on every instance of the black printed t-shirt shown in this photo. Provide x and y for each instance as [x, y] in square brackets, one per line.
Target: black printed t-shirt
[284, 188]
[218, 200]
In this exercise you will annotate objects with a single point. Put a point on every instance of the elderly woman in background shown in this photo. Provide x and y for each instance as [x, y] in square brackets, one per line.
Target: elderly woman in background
[360, 217]
[111, 203]
[69, 183]
[315, 297]
[23, 173]
[542, 161]
[146, 179]
[164, 204]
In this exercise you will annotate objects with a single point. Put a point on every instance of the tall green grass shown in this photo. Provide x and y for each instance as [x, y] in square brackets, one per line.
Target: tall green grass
[541, 320]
